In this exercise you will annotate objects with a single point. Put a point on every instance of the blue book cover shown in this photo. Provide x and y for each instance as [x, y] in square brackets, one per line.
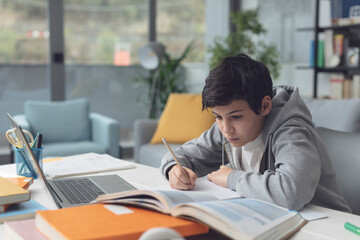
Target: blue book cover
[22, 210]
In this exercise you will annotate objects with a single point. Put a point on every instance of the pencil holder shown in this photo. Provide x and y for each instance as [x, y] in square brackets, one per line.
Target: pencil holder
[23, 164]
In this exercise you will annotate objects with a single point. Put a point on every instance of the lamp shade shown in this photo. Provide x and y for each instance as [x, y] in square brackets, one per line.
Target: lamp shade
[150, 55]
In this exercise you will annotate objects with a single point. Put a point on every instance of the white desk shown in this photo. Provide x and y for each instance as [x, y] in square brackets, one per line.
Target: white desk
[144, 176]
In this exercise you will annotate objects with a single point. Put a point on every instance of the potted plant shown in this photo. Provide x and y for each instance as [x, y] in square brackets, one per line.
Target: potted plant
[246, 39]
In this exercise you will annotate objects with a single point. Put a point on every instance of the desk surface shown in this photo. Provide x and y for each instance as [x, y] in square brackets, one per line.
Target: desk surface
[143, 176]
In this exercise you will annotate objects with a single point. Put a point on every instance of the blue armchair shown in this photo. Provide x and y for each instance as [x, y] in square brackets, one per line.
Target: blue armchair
[69, 128]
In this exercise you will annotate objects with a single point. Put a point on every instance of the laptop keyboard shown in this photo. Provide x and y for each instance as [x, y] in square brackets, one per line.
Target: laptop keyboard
[80, 190]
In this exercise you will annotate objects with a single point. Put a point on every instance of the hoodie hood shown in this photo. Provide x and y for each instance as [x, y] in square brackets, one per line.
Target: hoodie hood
[286, 104]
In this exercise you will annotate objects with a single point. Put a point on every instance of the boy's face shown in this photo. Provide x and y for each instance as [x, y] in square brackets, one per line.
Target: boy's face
[239, 123]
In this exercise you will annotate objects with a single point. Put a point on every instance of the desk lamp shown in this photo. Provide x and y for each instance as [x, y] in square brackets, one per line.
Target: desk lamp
[151, 54]
[150, 57]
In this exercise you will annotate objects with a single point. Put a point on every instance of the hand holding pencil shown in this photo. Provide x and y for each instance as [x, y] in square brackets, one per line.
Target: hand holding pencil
[179, 177]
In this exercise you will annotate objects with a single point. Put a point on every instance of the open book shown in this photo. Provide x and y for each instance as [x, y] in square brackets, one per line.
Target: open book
[239, 218]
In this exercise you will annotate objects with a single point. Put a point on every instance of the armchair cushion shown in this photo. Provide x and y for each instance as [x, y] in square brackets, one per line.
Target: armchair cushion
[71, 118]
[182, 119]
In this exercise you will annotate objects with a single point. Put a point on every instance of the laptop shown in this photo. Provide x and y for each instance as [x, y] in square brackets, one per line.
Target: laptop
[74, 191]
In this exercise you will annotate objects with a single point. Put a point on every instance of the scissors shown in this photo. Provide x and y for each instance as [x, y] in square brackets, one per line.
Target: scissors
[16, 141]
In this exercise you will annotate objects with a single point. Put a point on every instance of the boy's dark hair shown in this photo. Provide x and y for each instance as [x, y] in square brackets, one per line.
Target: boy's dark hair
[236, 78]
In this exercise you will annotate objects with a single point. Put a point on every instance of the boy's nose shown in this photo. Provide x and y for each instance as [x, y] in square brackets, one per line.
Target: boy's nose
[227, 128]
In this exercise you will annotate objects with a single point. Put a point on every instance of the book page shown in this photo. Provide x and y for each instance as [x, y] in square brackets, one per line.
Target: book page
[161, 200]
[250, 216]
[205, 186]
[84, 164]
[174, 197]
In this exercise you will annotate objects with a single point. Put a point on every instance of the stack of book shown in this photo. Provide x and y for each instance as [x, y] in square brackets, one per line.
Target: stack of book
[130, 214]
[127, 215]
[13, 190]
[15, 202]
[342, 87]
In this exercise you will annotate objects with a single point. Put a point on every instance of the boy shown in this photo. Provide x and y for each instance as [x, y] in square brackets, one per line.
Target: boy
[269, 139]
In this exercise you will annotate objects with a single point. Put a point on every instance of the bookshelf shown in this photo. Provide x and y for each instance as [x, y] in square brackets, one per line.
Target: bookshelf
[352, 30]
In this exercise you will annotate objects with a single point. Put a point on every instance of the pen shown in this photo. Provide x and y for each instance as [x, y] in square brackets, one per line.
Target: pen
[352, 228]
[35, 141]
[177, 161]
[39, 141]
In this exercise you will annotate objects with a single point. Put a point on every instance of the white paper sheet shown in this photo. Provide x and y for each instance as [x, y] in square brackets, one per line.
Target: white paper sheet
[84, 164]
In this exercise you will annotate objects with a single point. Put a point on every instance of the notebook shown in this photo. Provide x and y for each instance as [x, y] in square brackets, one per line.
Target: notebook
[75, 191]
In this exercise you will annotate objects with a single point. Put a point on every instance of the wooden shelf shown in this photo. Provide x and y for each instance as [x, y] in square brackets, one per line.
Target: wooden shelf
[335, 69]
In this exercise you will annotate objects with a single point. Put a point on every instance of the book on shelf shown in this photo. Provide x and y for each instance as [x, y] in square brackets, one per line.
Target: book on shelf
[12, 193]
[320, 55]
[23, 210]
[356, 86]
[347, 21]
[336, 86]
[22, 230]
[339, 45]
[347, 88]
[331, 60]
[106, 221]
[336, 11]
[23, 182]
[343, 10]
[238, 218]
[344, 87]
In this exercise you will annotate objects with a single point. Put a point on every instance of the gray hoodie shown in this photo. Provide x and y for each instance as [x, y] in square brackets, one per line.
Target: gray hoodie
[295, 168]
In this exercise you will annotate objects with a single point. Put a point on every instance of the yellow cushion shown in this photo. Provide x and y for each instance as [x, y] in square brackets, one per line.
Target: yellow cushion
[182, 119]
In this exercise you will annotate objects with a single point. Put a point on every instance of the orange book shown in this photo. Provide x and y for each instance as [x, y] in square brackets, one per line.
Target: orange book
[105, 221]
[23, 182]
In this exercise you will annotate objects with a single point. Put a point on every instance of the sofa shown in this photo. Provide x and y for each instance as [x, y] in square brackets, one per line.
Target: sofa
[174, 125]
[337, 114]
[145, 152]
[344, 153]
[341, 115]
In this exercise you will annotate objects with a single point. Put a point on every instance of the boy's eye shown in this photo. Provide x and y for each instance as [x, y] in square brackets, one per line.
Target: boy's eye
[236, 117]
[218, 117]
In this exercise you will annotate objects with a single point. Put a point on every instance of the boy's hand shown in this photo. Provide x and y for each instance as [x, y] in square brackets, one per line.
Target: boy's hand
[179, 181]
[219, 177]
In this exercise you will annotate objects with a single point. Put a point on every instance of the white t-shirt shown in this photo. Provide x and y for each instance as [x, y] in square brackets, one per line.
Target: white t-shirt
[248, 157]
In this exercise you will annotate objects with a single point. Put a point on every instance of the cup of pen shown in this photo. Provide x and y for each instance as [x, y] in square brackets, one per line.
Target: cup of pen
[23, 166]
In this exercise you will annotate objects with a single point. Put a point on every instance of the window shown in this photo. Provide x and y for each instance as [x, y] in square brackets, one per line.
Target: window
[104, 31]
[23, 31]
[178, 23]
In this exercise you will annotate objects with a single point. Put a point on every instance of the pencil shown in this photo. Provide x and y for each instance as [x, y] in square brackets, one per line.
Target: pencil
[177, 161]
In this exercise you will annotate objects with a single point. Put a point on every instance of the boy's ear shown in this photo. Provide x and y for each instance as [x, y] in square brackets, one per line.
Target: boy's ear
[266, 105]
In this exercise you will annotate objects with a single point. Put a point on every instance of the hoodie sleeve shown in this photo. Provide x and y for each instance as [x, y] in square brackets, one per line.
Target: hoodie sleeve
[202, 155]
[293, 182]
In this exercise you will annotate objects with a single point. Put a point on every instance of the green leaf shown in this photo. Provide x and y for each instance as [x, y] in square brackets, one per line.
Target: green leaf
[245, 40]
